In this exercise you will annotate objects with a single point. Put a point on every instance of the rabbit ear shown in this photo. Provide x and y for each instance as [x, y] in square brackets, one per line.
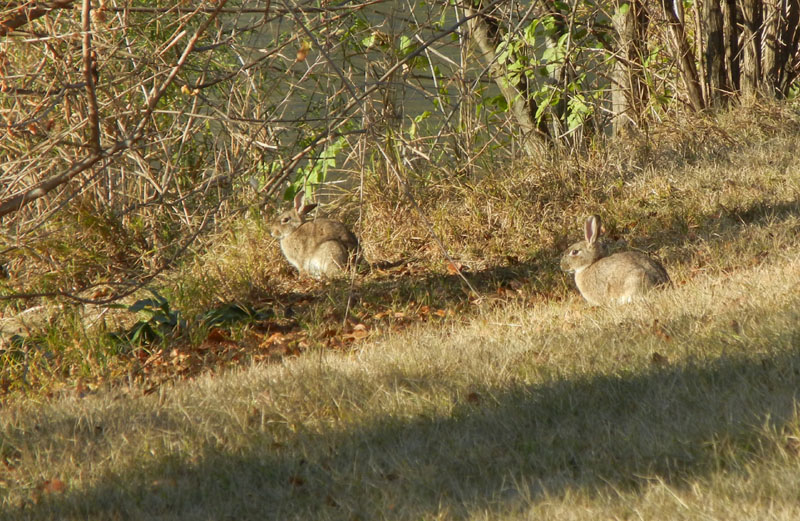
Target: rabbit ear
[307, 208]
[592, 229]
[301, 208]
[298, 200]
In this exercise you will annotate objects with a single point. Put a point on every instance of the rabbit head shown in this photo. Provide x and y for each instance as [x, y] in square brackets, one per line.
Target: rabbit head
[291, 219]
[583, 254]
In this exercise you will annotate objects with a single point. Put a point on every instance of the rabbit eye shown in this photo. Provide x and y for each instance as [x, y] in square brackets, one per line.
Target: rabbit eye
[574, 252]
[284, 220]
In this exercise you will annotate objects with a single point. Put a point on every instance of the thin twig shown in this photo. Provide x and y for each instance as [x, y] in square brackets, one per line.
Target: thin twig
[24, 15]
[428, 224]
[89, 76]
[325, 136]
[17, 201]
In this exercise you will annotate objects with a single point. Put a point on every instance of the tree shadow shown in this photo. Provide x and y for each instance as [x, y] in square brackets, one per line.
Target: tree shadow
[288, 309]
[497, 450]
[540, 275]
[719, 225]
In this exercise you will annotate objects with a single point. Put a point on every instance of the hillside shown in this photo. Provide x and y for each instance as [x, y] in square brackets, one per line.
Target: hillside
[406, 395]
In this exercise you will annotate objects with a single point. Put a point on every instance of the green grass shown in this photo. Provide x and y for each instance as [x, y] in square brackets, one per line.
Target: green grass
[518, 403]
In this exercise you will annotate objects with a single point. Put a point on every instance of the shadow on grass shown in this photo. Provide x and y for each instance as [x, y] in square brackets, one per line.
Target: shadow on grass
[497, 451]
[414, 285]
[720, 225]
[539, 274]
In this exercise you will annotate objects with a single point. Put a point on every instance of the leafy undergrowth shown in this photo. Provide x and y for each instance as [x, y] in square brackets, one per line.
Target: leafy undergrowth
[707, 196]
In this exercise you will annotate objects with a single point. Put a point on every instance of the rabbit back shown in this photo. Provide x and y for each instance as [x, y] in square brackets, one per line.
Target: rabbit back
[322, 247]
[620, 278]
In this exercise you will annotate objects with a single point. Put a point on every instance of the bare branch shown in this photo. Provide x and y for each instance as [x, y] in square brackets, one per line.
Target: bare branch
[25, 15]
[328, 134]
[17, 201]
[90, 76]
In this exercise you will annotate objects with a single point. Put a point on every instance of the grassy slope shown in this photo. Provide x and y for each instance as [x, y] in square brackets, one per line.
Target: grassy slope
[525, 407]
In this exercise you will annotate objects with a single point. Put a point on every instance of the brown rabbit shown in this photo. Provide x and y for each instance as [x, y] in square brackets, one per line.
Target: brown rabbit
[320, 248]
[604, 279]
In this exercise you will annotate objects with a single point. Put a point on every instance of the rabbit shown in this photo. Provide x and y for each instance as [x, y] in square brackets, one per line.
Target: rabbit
[320, 248]
[617, 278]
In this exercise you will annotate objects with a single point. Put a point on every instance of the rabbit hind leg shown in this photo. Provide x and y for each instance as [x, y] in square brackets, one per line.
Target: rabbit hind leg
[329, 260]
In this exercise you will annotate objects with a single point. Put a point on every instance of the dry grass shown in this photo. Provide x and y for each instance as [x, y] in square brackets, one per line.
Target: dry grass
[554, 410]
[524, 404]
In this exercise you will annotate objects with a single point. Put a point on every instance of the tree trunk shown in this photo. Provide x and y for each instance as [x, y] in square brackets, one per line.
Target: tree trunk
[629, 89]
[752, 13]
[714, 53]
[731, 41]
[771, 71]
[788, 36]
[684, 53]
[486, 34]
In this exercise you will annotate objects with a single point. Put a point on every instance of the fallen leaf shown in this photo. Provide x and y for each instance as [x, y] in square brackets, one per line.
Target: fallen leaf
[53, 486]
[216, 335]
[659, 331]
[274, 338]
[359, 331]
[454, 268]
[102, 292]
[382, 314]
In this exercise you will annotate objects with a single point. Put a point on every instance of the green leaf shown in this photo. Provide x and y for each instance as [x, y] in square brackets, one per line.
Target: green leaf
[549, 23]
[406, 45]
[140, 305]
[422, 117]
[369, 41]
[530, 33]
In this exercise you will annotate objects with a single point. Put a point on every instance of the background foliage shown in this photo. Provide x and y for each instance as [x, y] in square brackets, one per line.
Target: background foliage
[133, 131]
